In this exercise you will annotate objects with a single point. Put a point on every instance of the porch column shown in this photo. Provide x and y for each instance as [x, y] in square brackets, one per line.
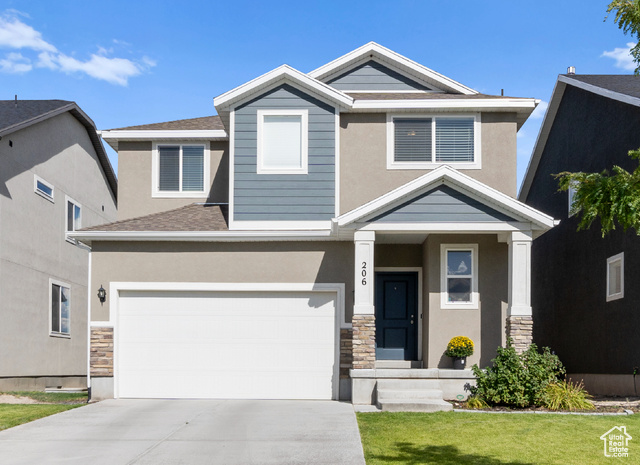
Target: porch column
[364, 324]
[519, 325]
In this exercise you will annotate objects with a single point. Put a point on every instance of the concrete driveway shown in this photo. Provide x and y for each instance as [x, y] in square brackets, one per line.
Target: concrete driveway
[189, 432]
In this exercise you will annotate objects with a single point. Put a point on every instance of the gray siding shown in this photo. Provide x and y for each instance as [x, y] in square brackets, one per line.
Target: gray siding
[442, 204]
[374, 76]
[285, 197]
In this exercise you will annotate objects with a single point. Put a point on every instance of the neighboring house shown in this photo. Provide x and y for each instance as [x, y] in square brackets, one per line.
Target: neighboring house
[326, 231]
[585, 303]
[55, 178]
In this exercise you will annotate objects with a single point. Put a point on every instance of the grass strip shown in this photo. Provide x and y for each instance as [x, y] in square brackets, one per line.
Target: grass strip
[16, 414]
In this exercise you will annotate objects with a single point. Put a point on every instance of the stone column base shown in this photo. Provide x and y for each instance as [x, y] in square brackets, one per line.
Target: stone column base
[364, 341]
[520, 330]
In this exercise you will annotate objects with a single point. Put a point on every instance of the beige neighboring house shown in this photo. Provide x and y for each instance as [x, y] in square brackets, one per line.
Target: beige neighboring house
[55, 178]
[322, 237]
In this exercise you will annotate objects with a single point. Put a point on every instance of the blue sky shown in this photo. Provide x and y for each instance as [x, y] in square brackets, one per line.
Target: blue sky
[139, 62]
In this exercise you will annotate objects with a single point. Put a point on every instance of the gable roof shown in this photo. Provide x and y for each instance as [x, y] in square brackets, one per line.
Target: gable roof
[393, 60]
[623, 88]
[19, 114]
[203, 123]
[445, 175]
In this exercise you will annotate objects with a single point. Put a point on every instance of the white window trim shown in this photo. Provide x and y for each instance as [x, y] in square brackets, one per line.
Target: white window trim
[155, 172]
[304, 139]
[444, 303]
[51, 331]
[611, 260]
[68, 199]
[403, 165]
[42, 194]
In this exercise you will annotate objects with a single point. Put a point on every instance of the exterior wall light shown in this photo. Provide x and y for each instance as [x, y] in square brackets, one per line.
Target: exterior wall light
[102, 294]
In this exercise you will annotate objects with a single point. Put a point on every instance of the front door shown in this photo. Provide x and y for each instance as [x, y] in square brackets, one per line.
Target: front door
[396, 315]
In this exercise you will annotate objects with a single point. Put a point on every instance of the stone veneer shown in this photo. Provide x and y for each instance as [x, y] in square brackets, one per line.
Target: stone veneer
[101, 352]
[346, 352]
[364, 341]
[520, 330]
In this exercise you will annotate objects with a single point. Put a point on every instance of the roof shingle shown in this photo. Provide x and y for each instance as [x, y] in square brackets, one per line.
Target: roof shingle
[14, 112]
[627, 84]
[194, 124]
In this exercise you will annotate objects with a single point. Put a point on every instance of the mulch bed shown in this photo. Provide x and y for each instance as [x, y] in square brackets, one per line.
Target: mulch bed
[602, 404]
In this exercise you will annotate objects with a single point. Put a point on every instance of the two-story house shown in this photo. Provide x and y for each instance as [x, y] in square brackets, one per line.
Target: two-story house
[55, 178]
[326, 233]
[586, 303]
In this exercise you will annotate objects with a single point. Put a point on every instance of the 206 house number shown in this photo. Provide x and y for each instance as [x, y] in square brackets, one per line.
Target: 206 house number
[364, 273]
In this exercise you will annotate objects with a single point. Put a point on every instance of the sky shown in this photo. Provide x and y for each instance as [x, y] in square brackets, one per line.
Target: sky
[140, 62]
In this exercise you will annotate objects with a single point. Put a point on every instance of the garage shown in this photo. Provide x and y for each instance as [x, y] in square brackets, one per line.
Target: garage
[226, 344]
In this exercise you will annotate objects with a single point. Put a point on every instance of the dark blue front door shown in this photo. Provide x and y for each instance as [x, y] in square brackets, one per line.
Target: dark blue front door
[396, 315]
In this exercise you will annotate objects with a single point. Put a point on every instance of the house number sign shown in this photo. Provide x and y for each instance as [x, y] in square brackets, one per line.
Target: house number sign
[364, 273]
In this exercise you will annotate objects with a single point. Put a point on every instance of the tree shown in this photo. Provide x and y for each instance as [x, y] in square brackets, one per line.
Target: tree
[614, 198]
[627, 17]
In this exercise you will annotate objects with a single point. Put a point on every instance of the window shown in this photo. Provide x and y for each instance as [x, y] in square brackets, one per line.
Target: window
[459, 275]
[282, 142]
[60, 298]
[615, 277]
[42, 188]
[74, 216]
[572, 193]
[424, 142]
[180, 170]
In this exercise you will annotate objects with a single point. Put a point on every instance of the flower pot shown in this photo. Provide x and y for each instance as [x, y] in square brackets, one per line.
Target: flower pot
[459, 363]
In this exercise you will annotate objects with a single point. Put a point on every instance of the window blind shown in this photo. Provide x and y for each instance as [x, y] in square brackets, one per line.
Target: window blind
[454, 140]
[169, 168]
[412, 139]
[282, 141]
[192, 168]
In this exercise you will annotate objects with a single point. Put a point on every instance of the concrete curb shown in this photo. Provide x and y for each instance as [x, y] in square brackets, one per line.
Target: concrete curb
[604, 414]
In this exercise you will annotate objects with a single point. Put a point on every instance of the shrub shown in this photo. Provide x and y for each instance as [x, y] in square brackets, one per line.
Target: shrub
[476, 403]
[459, 346]
[517, 380]
[565, 395]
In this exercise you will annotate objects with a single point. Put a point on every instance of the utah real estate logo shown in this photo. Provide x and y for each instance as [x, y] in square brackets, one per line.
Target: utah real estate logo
[616, 442]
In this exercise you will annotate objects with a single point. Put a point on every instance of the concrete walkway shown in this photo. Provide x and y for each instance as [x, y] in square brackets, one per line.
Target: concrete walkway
[189, 432]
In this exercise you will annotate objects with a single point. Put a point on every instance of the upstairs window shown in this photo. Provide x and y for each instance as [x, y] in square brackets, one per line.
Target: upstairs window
[73, 217]
[425, 142]
[282, 142]
[43, 188]
[571, 193]
[615, 277]
[180, 170]
[60, 309]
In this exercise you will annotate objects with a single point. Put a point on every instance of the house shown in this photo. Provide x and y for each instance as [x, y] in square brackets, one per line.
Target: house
[322, 237]
[55, 179]
[584, 307]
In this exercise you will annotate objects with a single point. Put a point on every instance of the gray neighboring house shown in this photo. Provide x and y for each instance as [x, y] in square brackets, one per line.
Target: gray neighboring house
[322, 237]
[586, 298]
[55, 178]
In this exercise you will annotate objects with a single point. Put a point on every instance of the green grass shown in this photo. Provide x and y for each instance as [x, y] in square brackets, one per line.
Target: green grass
[491, 439]
[52, 397]
[15, 414]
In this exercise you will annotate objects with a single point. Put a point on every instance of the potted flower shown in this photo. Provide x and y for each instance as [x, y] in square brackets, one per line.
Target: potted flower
[459, 348]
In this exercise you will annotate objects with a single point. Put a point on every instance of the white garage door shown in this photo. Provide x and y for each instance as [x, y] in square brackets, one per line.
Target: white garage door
[234, 345]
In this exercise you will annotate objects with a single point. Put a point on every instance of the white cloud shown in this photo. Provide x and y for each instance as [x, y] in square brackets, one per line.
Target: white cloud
[15, 63]
[540, 110]
[15, 34]
[623, 58]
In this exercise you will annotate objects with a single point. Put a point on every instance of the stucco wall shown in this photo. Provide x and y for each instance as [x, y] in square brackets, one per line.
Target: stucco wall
[485, 326]
[363, 157]
[33, 248]
[134, 180]
[247, 262]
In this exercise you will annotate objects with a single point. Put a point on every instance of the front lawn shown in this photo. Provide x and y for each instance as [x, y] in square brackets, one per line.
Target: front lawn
[15, 414]
[491, 439]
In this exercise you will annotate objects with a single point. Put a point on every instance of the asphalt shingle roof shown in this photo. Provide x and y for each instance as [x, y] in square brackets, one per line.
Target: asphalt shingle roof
[193, 217]
[627, 84]
[204, 123]
[12, 114]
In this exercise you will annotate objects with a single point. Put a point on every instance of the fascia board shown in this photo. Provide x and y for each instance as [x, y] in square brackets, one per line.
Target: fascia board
[448, 175]
[162, 134]
[517, 105]
[600, 91]
[227, 100]
[541, 139]
[211, 236]
[50, 114]
[385, 54]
